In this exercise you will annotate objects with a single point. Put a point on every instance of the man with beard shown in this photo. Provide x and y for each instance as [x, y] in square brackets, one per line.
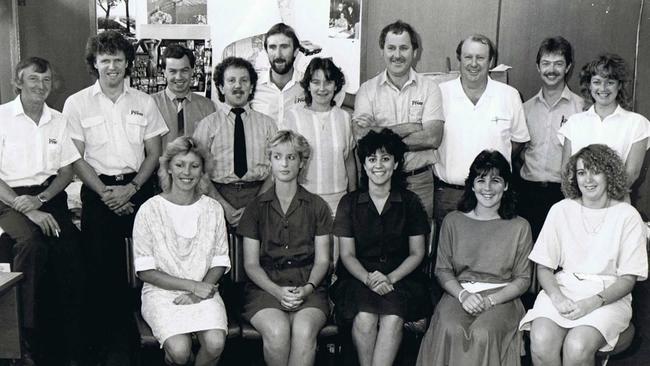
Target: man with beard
[546, 112]
[180, 108]
[406, 102]
[118, 130]
[279, 89]
[480, 114]
[236, 137]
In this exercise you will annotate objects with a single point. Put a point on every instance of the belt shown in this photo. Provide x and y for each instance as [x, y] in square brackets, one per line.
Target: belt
[417, 171]
[242, 184]
[108, 179]
[45, 184]
[442, 184]
[541, 184]
[289, 263]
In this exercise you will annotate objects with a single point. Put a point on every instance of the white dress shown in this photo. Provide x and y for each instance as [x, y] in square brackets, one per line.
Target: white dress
[590, 262]
[185, 242]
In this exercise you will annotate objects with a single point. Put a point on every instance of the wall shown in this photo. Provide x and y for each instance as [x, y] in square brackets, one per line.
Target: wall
[592, 26]
[57, 30]
[8, 37]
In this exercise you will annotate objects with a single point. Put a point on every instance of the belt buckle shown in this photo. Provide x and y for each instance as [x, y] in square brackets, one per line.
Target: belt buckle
[119, 177]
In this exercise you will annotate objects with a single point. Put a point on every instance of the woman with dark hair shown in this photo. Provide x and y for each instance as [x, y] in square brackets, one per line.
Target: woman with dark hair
[331, 172]
[381, 229]
[608, 121]
[482, 265]
[589, 254]
[181, 251]
[286, 234]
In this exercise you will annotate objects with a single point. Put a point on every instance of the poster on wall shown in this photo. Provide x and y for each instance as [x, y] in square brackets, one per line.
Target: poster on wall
[177, 11]
[345, 19]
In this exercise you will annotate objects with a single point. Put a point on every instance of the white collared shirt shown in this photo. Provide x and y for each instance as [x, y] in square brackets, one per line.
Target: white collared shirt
[113, 133]
[31, 153]
[543, 154]
[620, 130]
[496, 120]
[419, 100]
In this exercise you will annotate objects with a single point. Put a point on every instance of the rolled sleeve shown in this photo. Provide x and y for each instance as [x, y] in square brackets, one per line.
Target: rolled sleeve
[433, 106]
[144, 264]
[143, 241]
[221, 261]
[221, 256]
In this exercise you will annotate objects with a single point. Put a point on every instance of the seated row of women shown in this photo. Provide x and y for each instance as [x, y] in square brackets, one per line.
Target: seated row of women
[589, 254]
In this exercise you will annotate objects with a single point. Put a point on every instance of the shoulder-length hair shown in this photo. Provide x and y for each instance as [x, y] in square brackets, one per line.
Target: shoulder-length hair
[596, 158]
[181, 146]
[331, 72]
[610, 66]
[108, 42]
[390, 142]
[299, 144]
[489, 161]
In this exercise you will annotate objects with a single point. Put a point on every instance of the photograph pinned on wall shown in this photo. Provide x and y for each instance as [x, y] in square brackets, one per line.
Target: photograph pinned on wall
[344, 20]
[177, 11]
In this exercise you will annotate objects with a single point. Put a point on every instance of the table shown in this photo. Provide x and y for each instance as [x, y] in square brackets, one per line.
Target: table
[9, 315]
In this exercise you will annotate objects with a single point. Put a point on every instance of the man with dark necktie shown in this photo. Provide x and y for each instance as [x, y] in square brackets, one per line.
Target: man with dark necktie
[180, 108]
[236, 137]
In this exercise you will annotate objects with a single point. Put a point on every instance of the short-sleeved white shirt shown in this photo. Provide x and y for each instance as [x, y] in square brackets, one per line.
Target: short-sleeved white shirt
[620, 130]
[113, 133]
[31, 153]
[419, 100]
[496, 120]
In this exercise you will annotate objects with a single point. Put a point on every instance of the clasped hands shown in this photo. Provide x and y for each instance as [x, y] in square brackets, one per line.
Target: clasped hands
[291, 297]
[474, 303]
[29, 206]
[117, 199]
[379, 283]
[200, 291]
[573, 310]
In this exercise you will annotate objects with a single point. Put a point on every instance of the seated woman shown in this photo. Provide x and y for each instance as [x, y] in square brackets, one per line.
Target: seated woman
[482, 265]
[332, 171]
[381, 229]
[181, 252]
[286, 257]
[596, 246]
[604, 82]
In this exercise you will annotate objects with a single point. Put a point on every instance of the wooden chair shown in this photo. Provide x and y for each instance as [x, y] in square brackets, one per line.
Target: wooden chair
[146, 340]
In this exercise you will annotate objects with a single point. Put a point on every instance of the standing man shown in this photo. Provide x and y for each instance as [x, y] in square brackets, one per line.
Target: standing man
[546, 112]
[406, 102]
[480, 113]
[118, 129]
[36, 158]
[180, 108]
[279, 89]
[236, 137]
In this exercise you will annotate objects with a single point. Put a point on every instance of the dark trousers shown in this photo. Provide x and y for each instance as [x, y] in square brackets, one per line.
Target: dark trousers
[535, 200]
[51, 291]
[108, 300]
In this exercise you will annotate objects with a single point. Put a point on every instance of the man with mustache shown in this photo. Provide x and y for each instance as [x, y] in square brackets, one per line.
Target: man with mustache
[180, 108]
[480, 113]
[279, 89]
[546, 112]
[406, 102]
[236, 137]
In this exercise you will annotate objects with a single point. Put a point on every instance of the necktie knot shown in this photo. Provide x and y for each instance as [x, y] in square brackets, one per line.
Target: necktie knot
[237, 111]
[180, 100]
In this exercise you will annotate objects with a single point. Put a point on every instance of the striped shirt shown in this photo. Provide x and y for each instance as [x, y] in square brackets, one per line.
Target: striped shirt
[216, 134]
[330, 136]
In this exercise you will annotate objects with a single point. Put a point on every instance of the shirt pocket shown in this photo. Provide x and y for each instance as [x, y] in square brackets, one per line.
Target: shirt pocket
[134, 128]
[95, 130]
[415, 112]
[53, 158]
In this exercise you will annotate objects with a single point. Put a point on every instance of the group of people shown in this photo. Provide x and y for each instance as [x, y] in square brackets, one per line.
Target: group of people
[275, 163]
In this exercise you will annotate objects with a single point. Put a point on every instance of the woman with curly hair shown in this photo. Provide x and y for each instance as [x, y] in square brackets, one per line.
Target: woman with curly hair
[483, 265]
[589, 254]
[181, 252]
[608, 121]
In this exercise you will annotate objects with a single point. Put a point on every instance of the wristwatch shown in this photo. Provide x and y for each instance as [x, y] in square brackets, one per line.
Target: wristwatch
[41, 198]
[136, 185]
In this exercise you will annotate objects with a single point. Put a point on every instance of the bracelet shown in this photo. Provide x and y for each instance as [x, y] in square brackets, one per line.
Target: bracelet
[312, 285]
[460, 294]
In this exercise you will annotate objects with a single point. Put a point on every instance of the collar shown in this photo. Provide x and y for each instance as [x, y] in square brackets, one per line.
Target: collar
[97, 89]
[172, 97]
[395, 195]
[18, 110]
[566, 94]
[618, 110]
[269, 195]
[383, 78]
[265, 77]
[226, 108]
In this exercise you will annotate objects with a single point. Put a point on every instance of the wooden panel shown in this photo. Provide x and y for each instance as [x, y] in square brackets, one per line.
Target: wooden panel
[592, 27]
[9, 316]
[9, 56]
[440, 23]
[57, 30]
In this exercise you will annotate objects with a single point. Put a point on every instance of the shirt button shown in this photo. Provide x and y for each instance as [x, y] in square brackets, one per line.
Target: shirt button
[286, 247]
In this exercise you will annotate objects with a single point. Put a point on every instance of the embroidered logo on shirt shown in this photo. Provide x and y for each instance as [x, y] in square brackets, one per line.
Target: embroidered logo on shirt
[137, 113]
[417, 102]
[52, 141]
